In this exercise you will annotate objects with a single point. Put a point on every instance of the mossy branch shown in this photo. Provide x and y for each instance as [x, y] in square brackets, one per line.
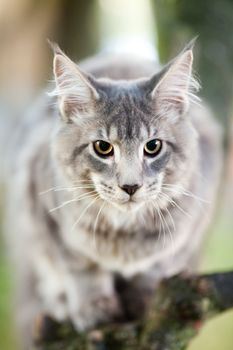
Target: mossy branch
[180, 306]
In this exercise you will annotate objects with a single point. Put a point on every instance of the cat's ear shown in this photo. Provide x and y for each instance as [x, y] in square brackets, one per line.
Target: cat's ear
[176, 86]
[75, 92]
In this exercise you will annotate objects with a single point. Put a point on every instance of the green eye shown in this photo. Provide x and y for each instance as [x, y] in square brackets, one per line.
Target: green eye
[153, 148]
[103, 148]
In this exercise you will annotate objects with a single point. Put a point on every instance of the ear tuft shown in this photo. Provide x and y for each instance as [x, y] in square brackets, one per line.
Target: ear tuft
[191, 44]
[55, 47]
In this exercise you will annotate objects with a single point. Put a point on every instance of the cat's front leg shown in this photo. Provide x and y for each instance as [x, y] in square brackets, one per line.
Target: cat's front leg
[51, 287]
[85, 296]
[41, 292]
[92, 299]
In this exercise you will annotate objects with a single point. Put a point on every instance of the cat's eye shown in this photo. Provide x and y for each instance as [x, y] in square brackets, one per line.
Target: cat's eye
[153, 148]
[103, 148]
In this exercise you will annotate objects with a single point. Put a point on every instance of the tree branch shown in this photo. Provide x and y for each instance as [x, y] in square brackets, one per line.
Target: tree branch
[180, 306]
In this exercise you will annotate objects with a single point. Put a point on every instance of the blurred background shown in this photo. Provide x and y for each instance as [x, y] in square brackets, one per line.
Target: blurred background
[156, 28]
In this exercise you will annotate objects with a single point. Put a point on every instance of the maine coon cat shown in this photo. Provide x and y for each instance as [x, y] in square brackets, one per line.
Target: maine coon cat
[118, 179]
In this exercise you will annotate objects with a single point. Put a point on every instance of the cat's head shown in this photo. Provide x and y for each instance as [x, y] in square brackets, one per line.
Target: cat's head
[127, 139]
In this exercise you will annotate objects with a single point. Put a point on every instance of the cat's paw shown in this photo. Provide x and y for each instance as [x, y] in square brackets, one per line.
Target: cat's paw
[54, 302]
[100, 310]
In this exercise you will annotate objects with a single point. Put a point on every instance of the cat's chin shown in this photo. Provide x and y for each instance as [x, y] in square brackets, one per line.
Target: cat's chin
[128, 206]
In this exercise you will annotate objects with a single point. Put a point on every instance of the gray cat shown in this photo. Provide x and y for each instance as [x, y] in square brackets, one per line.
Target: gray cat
[118, 177]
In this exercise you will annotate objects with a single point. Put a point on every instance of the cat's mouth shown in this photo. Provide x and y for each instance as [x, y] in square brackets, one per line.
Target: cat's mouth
[123, 202]
[128, 205]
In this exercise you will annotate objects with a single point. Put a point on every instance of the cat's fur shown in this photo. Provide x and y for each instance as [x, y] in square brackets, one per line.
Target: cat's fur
[67, 257]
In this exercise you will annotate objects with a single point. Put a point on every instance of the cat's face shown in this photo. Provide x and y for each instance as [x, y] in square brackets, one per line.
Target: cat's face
[129, 140]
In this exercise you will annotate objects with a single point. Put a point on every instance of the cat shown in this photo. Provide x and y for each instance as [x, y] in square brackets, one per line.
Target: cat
[115, 173]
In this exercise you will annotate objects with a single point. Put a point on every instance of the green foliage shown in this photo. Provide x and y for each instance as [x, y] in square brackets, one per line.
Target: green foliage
[7, 341]
[178, 21]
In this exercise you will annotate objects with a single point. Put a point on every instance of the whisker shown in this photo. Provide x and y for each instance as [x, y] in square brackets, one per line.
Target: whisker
[163, 226]
[161, 223]
[48, 190]
[171, 219]
[95, 224]
[62, 205]
[57, 189]
[74, 188]
[180, 190]
[142, 217]
[79, 183]
[78, 199]
[83, 212]
[174, 203]
[170, 233]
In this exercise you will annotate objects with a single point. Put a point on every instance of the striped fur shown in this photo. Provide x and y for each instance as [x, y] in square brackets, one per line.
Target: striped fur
[72, 227]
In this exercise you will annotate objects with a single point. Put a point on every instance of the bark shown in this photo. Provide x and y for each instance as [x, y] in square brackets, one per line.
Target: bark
[180, 306]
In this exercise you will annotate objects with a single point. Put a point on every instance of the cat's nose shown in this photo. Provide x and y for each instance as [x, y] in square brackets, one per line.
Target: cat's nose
[130, 189]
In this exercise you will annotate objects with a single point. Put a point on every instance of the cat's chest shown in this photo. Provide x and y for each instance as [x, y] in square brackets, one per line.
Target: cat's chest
[99, 239]
[119, 243]
[102, 238]
[115, 246]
